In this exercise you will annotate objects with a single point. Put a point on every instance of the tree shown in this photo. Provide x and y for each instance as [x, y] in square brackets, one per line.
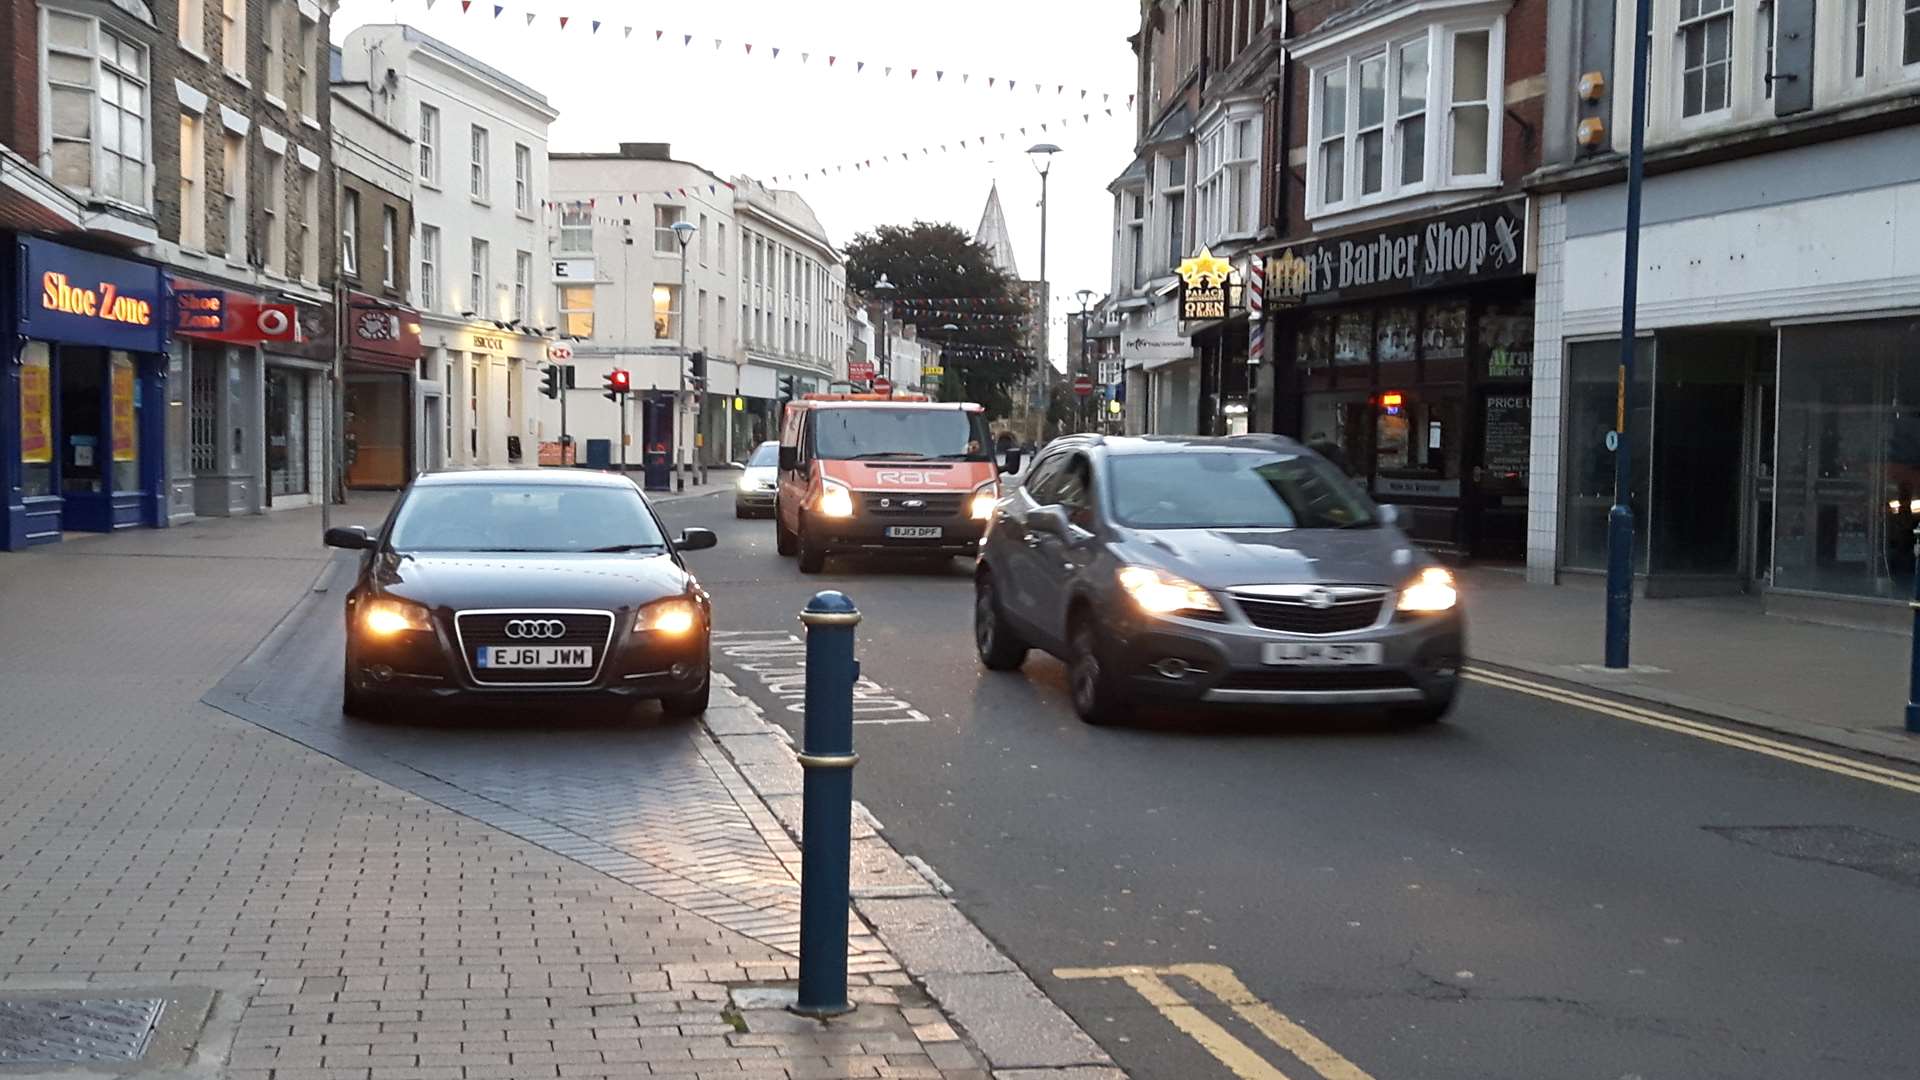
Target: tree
[985, 356]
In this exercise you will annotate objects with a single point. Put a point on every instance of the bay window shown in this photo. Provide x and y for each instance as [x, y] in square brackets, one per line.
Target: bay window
[1228, 185]
[1406, 116]
[97, 105]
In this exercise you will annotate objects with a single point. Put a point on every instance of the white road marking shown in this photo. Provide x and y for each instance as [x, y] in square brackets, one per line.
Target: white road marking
[776, 659]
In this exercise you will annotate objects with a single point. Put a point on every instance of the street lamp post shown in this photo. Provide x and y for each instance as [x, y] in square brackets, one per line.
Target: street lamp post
[885, 288]
[1085, 296]
[1620, 518]
[1041, 155]
[682, 231]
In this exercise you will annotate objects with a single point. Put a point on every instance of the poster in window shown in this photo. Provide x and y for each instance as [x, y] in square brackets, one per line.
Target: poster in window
[1443, 342]
[1397, 339]
[1352, 341]
[123, 429]
[36, 410]
[1504, 341]
[1508, 438]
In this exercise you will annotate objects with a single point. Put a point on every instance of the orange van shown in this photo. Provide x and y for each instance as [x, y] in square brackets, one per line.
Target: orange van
[872, 472]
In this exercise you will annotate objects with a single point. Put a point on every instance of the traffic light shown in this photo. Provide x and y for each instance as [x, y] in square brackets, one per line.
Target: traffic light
[787, 388]
[551, 382]
[617, 384]
[697, 367]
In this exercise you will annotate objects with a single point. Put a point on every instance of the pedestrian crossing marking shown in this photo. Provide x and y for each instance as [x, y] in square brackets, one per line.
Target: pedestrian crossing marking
[1228, 1049]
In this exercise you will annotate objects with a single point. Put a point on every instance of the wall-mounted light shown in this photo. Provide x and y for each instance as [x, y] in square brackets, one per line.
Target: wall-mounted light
[1592, 133]
[1591, 86]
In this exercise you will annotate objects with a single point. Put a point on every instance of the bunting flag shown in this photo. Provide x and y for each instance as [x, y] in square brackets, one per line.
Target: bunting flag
[773, 53]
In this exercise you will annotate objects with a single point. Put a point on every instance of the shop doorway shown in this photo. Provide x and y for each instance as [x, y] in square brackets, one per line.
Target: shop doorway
[287, 437]
[377, 438]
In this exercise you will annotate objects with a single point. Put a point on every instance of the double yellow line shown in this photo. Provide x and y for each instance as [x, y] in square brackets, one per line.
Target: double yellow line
[1837, 764]
[1239, 1058]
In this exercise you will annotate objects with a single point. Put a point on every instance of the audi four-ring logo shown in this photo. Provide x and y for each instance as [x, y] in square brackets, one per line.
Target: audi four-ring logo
[528, 629]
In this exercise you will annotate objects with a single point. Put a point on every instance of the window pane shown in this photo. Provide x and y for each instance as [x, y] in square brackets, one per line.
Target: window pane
[1592, 372]
[1714, 95]
[1333, 167]
[1470, 66]
[1372, 146]
[67, 31]
[1333, 102]
[71, 109]
[72, 164]
[1413, 149]
[1910, 52]
[1470, 140]
[66, 68]
[1692, 85]
[1413, 77]
[1373, 90]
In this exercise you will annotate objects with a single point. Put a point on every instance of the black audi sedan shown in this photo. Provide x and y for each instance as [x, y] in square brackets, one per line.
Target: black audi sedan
[525, 586]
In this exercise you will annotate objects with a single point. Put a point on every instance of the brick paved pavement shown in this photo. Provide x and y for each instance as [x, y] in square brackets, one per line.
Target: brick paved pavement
[354, 929]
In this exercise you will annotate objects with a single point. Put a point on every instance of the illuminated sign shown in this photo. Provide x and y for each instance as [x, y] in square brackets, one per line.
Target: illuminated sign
[199, 311]
[1203, 287]
[58, 293]
[81, 297]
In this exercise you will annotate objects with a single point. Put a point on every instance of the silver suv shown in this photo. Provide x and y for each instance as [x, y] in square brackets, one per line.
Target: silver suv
[1236, 571]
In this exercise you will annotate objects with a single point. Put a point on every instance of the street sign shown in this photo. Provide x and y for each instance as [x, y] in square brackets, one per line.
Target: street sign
[933, 372]
[860, 370]
[883, 386]
[1083, 384]
[560, 352]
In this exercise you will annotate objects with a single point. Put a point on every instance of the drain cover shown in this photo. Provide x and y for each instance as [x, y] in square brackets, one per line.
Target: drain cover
[1838, 845]
[77, 1032]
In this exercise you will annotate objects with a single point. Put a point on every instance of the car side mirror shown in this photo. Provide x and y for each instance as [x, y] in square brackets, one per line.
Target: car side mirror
[1010, 461]
[1389, 514]
[789, 458]
[696, 540]
[354, 537]
[1051, 520]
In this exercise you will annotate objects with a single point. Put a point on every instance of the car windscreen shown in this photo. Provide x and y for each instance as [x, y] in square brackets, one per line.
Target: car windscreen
[1195, 488]
[904, 434]
[765, 456]
[524, 517]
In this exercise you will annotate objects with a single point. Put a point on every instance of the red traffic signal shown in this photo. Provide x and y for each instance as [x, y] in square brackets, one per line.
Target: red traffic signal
[618, 382]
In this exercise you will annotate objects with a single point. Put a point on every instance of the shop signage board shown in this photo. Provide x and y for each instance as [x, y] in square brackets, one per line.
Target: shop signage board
[381, 333]
[211, 314]
[1481, 243]
[860, 370]
[1152, 346]
[85, 298]
[1204, 281]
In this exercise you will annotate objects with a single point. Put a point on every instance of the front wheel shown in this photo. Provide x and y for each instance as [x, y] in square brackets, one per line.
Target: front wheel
[690, 704]
[999, 647]
[813, 558]
[1096, 694]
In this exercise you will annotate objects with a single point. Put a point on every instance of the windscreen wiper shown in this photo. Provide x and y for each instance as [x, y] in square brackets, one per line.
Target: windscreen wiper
[614, 548]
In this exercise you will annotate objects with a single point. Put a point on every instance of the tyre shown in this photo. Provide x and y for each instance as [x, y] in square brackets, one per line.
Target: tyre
[1091, 682]
[1000, 648]
[783, 541]
[690, 704]
[813, 558]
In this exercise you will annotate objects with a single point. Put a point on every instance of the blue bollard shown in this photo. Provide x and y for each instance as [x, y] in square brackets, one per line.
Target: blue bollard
[1913, 683]
[827, 812]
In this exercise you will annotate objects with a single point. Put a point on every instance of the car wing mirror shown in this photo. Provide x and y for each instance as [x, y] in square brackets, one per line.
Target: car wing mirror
[1010, 461]
[789, 458]
[1051, 520]
[354, 537]
[696, 540]
[1389, 514]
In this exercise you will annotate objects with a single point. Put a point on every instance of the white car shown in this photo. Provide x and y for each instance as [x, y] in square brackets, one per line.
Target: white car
[753, 495]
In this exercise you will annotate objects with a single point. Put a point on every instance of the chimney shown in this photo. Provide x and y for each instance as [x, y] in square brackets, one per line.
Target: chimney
[647, 151]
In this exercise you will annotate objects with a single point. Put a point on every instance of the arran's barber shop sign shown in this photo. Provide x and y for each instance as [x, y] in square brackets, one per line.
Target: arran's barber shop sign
[1483, 243]
[86, 298]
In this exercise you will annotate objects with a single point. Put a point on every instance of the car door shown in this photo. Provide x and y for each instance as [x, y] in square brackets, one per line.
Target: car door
[1056, 562]
[1018, 562]
[790, 485]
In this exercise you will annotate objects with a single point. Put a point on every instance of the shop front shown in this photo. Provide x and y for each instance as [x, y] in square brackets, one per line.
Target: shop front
[215, 429]
[1409, 350]
[380, 367]
[82, 428]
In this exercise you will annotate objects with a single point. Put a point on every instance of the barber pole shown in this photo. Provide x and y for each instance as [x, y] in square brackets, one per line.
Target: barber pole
[1256, 311]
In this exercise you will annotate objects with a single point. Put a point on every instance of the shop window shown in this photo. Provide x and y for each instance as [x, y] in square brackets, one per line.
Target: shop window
[1339, 428]
[1443, 342]
[36, 419]
[576, 310]
[286, 432]
[1353, 343]
[123, 411]
[1592, 382]
[1848, 487]
[666, 310]
[1314, 351]
[1503, 342]
[1417, 440]
[1396, 335]
[179, 459]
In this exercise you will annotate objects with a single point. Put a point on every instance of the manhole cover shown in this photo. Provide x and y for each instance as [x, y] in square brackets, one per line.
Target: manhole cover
[1837, 845]
[77, 1032]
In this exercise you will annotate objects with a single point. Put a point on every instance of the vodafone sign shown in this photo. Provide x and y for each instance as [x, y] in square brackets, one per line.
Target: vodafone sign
[220, 315]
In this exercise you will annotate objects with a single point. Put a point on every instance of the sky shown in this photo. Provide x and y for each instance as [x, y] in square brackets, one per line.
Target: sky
[735, 111]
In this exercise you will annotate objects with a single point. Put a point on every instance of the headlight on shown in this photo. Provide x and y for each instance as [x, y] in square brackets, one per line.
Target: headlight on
[1433, 590]
[674, 616]
[985, 497]
[747, 483]
[1160, 593]
[835, 500]
[388, 617]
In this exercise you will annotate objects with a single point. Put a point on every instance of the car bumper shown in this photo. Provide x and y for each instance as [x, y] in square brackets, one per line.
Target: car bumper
[1223, 663]
[430, 667]
[958, 536]
[754, 500]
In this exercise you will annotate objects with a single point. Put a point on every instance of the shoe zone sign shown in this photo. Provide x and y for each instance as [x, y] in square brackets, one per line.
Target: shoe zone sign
[1483, 243]
[85, 298]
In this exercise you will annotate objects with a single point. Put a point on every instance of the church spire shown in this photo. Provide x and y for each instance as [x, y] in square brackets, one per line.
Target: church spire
[992, 233]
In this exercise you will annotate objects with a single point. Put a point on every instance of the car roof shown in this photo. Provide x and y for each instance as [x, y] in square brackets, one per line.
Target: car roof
[546, 477]
[1173, 444]
[967, 406]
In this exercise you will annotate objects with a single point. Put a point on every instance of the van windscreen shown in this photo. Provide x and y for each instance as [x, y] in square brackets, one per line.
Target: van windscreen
[900, 434]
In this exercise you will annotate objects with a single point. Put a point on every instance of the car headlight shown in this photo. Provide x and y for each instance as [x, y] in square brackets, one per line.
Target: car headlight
[673, 616]
[1433, 590]
[748, 483]
[386, 617]
[1160, 593]
[985, 497]
[835, 501]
